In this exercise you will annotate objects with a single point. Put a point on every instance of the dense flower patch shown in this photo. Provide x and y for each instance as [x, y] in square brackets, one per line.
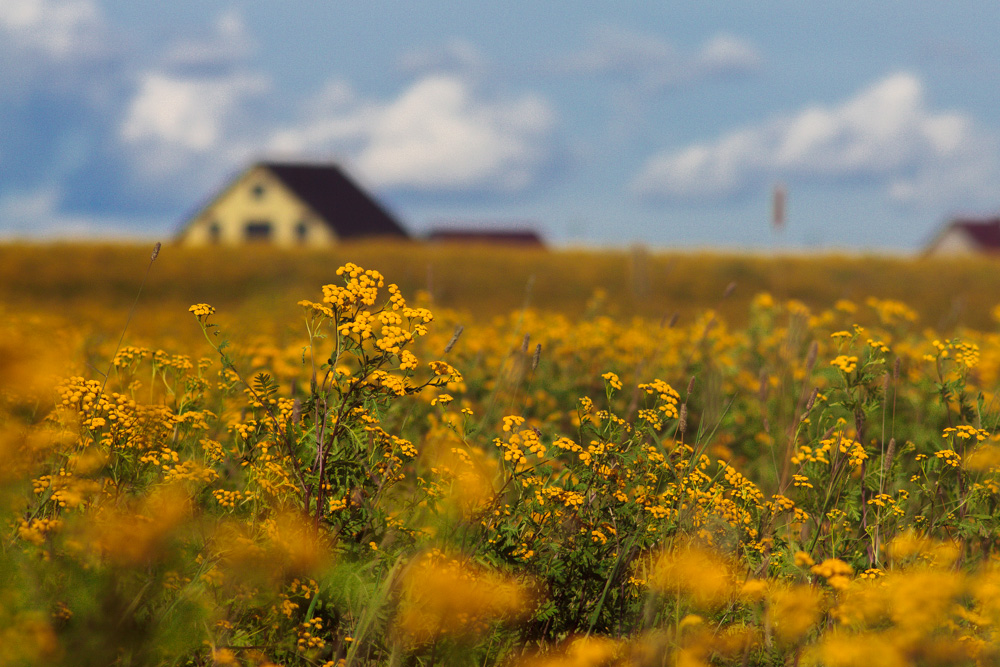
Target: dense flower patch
[388, 487]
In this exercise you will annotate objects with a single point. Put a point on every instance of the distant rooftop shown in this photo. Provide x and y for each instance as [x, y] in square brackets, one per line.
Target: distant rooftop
[486, 234]
[965, 236]
[337, 199]
[984, 232]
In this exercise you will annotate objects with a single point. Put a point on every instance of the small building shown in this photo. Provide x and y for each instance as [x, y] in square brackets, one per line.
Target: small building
[290, 204]
[525, 237]
[964, 236]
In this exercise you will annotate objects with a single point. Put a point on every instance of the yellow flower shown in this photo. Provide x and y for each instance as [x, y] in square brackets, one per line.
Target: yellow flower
[690, 620]
[754, 589]
[836, 572]
[223, 657]
[612, 380]
[201, 311]
[694, 572]
[510, 422]
[443, 399]
[845, 363]
[801, 480]
[444, 596]
[793, 611]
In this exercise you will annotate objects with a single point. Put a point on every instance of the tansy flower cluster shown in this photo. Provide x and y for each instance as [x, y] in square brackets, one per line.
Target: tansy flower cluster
[391, 486]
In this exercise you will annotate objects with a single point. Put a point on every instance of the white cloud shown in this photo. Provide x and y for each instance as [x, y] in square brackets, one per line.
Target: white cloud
[175, 119]
[727, 54]
[655, 63]
[228, 43]
[438, 134]
[885, 134]
[38, 214]
[57, 29]
[199, 110]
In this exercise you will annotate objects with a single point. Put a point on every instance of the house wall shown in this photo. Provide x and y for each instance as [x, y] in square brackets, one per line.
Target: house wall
[256, 199]
[953, 242]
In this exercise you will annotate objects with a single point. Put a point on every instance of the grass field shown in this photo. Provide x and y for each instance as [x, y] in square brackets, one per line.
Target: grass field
[488, 281]
[444, 455]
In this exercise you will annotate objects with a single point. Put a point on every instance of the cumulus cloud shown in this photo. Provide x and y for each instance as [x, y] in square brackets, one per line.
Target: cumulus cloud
[39, 213]
[59, 86]
[439, 134]
[197, 110]
[227, 44]
[188, 113]
[726, 54]
[56, 29]
[174, 119]
[885, 134]
[55, 49]
[655, 63]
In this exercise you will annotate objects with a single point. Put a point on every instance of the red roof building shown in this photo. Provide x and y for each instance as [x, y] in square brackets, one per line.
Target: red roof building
[964, 236]
[487, 236]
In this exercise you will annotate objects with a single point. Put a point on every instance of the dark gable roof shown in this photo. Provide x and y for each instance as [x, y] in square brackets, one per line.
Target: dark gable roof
[336, 198]
[986, 233]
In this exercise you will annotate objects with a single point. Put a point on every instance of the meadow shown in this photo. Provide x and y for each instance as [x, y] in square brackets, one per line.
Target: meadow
[413, 455]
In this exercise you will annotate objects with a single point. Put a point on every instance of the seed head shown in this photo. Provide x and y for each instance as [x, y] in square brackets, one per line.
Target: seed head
[811, 357]
[812, 399]
[454, 338]
[887, 461]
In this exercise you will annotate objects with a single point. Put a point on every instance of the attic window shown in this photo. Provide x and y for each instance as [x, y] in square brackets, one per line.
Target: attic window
[301, 232]
[257, 191]
[214, 232]
[258, 230]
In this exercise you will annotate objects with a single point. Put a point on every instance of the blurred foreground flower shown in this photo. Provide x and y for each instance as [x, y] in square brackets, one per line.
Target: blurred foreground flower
[692, 571]
[143, 534]
[441, 596]
[579, 652]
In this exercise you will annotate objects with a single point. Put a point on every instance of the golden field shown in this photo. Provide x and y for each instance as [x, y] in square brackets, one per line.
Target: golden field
[487, 281]
[415, 455]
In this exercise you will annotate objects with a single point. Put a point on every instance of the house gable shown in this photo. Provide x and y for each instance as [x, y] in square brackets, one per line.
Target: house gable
[289, 205]
[966, 237]
[953, 241]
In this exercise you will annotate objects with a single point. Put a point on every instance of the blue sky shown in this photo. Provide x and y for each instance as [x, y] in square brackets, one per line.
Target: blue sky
[667, 124]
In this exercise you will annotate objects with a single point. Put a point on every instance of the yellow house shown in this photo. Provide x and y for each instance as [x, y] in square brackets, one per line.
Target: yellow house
[965, 237]
[289, 204]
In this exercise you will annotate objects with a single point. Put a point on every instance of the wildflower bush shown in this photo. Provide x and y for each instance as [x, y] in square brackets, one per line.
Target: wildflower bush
[387, 487]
